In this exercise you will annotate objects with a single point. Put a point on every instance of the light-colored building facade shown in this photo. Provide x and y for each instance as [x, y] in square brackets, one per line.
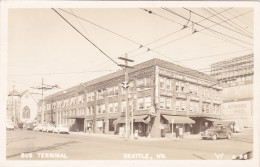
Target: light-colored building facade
[24, 105]
[236, 77]
[160, 93]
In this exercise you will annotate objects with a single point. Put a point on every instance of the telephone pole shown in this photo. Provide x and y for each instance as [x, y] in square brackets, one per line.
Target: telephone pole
[126, 86]
[44, 87]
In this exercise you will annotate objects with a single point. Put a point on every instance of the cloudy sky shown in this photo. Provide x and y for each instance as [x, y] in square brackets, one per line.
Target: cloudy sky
[41, 44]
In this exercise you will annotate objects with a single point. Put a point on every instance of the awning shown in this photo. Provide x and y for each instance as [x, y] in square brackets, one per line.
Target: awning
[137, 118]
[142, 118]
[74, 117]
[178, 119]
[216, 121]
[120, 120]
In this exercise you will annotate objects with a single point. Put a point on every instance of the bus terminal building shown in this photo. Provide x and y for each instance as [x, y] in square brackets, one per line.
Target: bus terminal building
[162, 95]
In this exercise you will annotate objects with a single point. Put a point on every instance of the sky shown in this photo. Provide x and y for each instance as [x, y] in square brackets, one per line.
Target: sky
[42, 45]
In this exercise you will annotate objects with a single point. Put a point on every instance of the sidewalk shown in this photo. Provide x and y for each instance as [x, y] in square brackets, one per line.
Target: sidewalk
[196, 136]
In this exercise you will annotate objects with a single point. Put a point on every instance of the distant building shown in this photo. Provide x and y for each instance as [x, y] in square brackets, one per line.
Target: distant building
[236, 76]
[161, 93]
[24, 105]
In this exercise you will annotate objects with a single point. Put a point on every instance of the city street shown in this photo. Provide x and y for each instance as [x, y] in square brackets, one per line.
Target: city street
[31, 145]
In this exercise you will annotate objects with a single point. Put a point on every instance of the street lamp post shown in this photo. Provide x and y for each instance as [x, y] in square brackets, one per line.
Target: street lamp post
[133, 98]
[172, 126]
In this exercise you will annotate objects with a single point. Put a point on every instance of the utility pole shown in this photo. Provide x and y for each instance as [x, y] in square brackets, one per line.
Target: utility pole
[14, 112]
[126, 86]
[43, 88]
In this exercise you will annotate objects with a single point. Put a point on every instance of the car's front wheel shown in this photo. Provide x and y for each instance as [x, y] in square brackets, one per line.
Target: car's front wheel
[229, 136]
[214, 137]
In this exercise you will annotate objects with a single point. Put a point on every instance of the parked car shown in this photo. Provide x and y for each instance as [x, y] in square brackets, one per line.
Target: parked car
[38, 127]
[216, 132]
[50, 128]
[44, 128]
[29, 126]
[61, 129]
[9, 125]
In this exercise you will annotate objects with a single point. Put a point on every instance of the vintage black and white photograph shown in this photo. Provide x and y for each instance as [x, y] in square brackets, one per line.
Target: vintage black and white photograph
[130, 83]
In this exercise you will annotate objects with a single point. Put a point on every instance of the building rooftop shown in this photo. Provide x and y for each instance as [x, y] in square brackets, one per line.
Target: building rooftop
[146, 64]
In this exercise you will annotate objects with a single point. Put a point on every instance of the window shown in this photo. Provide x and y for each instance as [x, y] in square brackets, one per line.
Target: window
[144, 83]
[116, 90]
[191, 107]
[89, 111]
[103, 108]
[168, 103]
[168, 83]
[203, 108]
[162, 83]
[80, 99]
[183, 105]
[178, 105]
[196, 107]
[218, 109]
[116, 106]
[147, 102]
[26, 113]
[162, 102]
[214, 109]
[111, 107]
[182, 87]
[99, 110]
[140, 103]
[177, 86]
[100, 94]
[90, 96]
[207, 108]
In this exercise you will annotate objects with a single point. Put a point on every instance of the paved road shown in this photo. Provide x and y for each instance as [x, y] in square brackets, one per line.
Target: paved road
[24, 145]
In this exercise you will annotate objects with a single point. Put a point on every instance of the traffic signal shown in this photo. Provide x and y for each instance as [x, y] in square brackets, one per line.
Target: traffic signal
[125, 85]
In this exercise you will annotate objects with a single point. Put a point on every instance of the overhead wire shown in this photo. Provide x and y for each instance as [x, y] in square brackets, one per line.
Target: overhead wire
[170, 11]
[240, 27]
[85, 36]
[217, 23]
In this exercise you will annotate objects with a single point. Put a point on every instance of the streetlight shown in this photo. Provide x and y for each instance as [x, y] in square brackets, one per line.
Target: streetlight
[172, 126]
[133, 99]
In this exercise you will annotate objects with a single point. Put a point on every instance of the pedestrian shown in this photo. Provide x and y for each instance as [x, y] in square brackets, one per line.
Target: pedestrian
[177, 133]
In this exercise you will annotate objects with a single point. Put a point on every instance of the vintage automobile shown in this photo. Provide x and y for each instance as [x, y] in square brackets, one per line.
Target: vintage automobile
[216, 132]
[50, 128]
[61, 129]
[9, 125]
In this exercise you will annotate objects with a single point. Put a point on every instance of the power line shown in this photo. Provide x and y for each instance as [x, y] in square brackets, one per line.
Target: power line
[170, 11]
[84, 36]
[61, 73]
[245, 30]
[217, 23]
[101, 27]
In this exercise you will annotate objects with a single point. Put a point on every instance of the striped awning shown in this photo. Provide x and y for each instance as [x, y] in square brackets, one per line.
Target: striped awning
[178, 119]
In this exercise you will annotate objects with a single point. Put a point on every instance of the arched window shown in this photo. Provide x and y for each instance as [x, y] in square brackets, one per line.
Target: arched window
[26, 112]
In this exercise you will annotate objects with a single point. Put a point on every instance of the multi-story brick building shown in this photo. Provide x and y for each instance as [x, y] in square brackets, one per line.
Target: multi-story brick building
[159, 93]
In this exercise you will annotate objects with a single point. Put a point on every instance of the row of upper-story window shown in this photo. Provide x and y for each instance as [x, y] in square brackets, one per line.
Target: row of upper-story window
[142, 104]
[141, 84]
[181, 105]
[185, 87]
